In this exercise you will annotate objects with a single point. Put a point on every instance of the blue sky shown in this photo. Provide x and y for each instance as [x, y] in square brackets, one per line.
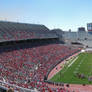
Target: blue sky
[64, 14]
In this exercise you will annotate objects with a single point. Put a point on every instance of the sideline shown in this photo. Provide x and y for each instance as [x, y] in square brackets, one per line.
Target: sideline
[54, 71]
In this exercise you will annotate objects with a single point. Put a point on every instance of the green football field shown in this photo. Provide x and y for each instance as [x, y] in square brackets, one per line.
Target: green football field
[82, 64]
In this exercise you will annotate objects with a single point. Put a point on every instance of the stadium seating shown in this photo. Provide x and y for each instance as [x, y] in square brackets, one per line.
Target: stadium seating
[10, 31]
[23, 65]
[27, 67]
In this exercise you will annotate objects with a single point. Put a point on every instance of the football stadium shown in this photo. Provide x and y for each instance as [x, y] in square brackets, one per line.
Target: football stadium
[40, 48]
[36, 59]
[28, 53]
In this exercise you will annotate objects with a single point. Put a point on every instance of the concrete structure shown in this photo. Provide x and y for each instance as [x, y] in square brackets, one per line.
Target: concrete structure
[81, 29]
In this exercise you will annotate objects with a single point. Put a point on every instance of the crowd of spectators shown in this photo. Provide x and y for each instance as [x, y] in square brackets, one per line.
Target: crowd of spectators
[10, 31]
[27, 67]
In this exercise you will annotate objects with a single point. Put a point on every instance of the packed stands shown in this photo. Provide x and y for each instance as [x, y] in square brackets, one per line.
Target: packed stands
[11, 31]
[27, 67]
[28, 52]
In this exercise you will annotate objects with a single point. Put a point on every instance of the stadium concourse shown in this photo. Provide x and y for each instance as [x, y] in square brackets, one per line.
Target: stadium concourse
[28, 53]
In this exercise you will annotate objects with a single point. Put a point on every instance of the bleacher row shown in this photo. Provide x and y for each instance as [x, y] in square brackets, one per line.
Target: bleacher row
[27, 67]
[20, 31]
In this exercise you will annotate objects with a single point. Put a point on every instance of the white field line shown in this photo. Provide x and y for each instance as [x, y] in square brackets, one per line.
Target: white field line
[81, 62]
[72, 62]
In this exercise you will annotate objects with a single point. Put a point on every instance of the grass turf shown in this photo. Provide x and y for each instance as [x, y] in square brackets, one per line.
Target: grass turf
[82, 65]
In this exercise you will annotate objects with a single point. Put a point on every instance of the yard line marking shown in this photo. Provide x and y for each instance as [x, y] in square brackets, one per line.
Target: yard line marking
[80, 62]
[69, 64]
[72, 62]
